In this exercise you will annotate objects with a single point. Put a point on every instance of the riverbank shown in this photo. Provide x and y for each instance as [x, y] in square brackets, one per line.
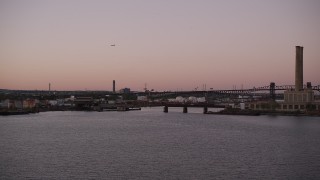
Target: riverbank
[257, 113]
[8, 112]
[17, 112]
[235, 112]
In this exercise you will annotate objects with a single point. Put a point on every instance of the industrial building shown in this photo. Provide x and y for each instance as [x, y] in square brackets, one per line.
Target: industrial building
[301, 98]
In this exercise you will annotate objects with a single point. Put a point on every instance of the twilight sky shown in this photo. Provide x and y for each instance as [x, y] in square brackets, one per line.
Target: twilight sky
[168, 44]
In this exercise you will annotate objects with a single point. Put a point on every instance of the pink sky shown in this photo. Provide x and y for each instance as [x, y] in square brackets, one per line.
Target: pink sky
[170, 45]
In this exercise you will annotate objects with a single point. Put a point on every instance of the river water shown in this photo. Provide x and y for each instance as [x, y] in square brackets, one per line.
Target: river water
[150, 144]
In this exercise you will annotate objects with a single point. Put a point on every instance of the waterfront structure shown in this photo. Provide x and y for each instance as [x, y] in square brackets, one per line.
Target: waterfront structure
[7, 104]
[125, 91]
[142, 98]
[299, 98]
[30, 103]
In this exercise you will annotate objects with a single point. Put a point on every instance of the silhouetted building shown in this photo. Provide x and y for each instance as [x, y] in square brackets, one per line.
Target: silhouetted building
[125, 90]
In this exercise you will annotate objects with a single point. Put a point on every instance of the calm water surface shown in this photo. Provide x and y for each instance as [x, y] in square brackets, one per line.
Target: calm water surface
[150, 144]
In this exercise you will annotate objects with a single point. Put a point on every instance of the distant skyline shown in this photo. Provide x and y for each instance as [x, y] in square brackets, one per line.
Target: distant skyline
[168, 45]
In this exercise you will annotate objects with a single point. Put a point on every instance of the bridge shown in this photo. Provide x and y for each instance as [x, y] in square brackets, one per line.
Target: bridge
[272, 88]
[185, 106]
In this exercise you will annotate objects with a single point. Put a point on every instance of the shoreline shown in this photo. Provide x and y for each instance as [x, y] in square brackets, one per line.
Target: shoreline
[234, 112]
[270, 113]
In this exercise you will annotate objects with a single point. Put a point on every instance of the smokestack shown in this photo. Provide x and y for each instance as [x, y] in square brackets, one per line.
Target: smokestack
[114, 86]
[299, 68]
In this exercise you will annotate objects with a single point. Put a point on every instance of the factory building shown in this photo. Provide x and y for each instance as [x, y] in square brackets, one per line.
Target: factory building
[299, 98]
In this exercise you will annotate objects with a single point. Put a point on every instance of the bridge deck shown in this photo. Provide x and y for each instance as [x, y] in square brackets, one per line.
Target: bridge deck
[192, 105]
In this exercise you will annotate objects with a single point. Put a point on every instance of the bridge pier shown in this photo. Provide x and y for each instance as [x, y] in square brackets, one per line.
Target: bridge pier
[273, 90]
[165, 109]
[205, 110]
[185, 109]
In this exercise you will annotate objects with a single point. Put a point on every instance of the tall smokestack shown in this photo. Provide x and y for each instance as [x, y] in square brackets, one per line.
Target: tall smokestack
[299, 68]
[114, 86]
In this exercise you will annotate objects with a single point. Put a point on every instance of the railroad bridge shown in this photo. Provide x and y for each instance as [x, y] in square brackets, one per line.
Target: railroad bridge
[272, 88]
[185, 106]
